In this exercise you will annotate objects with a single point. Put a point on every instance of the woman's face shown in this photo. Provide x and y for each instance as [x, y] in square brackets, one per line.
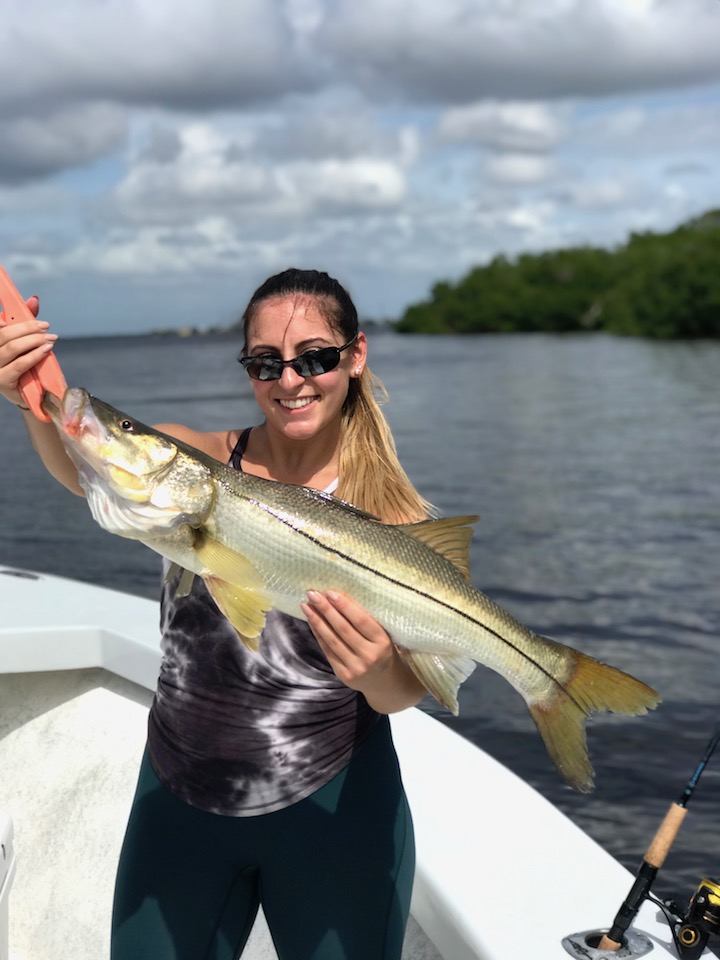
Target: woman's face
[301, 407]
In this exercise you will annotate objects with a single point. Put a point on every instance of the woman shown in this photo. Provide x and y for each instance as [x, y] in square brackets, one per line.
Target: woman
[271, 778]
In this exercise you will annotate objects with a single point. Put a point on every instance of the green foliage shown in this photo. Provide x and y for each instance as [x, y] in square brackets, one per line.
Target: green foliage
[657, 285]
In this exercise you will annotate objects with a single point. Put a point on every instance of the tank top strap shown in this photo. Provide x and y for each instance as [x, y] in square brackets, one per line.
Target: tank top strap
[239, 449]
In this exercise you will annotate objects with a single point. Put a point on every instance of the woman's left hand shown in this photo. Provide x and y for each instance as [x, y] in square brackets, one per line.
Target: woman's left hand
[361, 653]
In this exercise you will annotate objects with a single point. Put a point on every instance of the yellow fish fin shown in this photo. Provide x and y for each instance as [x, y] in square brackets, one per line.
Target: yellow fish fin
[441, 675]
[244, 608]
[560, 712]
[227, 564]
[236, 587]
[448, 536]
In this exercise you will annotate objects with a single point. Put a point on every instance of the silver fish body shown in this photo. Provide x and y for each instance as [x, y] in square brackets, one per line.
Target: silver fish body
[258, 544]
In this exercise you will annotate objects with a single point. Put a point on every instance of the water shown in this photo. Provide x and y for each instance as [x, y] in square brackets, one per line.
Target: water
[593, 463]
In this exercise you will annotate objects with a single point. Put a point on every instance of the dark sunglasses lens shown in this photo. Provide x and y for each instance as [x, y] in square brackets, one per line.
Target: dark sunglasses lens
[264, 368]
[315, 362]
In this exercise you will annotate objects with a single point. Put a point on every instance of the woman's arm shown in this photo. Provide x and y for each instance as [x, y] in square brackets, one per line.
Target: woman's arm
[22, 345]
[361, 653]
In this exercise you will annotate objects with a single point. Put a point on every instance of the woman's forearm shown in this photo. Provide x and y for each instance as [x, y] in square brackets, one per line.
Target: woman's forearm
[48, 446]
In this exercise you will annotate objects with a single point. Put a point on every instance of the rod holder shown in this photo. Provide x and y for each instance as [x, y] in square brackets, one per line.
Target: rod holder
[584, 946]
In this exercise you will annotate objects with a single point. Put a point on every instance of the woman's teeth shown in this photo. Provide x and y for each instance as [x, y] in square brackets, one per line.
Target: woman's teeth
[296, 404]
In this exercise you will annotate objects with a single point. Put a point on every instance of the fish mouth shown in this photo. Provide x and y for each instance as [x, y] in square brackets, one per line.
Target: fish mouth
[73, 415]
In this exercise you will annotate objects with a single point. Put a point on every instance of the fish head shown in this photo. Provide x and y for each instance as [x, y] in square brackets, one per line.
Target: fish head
[130, 472]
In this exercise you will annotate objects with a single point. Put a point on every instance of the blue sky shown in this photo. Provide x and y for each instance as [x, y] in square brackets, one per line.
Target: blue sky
[159, 159]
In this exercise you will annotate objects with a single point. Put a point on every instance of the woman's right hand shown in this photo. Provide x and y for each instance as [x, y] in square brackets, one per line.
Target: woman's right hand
[22, 345]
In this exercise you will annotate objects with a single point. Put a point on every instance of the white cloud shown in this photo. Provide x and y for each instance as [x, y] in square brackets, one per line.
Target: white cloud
[504, 126]
[465, 50]
[208, 170]
[193, 56]
[519, 168]
[393, 141]
[35, 147]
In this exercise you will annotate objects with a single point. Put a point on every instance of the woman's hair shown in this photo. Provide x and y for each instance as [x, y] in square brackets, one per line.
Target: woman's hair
[371, 476]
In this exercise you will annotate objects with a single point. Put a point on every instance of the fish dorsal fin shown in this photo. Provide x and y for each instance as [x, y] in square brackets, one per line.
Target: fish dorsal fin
[448, 536]
[439, 674]
[236, 587]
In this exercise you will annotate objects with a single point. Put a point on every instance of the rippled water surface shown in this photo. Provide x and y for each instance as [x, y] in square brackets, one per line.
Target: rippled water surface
[594, 464]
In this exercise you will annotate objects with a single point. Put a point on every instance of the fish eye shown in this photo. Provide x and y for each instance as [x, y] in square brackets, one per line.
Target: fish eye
[126, 425]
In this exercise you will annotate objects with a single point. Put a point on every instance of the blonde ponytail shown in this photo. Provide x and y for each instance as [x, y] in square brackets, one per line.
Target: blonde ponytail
[371, 476]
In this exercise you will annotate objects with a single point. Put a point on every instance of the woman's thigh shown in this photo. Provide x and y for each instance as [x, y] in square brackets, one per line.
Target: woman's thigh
[184, 889]
[336, 883]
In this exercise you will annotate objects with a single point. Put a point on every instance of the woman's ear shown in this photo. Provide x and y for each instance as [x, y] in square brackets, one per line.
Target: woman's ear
[359, 355]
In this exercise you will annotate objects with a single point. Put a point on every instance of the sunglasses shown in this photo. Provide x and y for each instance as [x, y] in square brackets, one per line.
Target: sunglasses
[309, 364]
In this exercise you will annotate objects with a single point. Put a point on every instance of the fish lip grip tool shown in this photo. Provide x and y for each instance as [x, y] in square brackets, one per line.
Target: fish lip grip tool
[46, 374]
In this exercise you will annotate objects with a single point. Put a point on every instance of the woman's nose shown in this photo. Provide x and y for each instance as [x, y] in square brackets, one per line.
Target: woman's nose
[290, 377]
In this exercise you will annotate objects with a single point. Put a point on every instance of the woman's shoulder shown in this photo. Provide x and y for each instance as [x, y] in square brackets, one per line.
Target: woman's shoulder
[215, 443]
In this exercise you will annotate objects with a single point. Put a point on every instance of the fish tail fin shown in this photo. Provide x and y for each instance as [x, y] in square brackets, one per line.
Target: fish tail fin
[588, 686]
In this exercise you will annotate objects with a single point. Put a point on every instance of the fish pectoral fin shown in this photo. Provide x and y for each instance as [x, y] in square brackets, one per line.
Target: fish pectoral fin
[244, 607]
[448, 536]
[440, 675]
[226, 564]
[236, 587]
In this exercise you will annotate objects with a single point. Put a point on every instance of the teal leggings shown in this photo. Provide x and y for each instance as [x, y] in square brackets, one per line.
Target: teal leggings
[333, 872]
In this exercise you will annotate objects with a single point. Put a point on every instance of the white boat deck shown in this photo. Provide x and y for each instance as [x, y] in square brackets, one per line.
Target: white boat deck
[77, 666]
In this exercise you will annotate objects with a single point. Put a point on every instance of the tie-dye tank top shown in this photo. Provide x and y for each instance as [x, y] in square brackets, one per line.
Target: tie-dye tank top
[240, 733]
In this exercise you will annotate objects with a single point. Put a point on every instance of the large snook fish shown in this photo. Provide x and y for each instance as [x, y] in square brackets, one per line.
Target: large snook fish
[259, 544]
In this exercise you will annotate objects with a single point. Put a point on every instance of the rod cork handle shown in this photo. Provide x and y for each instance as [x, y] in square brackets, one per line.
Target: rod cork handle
[652, 861]
[665, 836]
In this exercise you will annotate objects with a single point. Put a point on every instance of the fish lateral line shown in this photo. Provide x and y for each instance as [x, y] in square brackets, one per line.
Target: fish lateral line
[278, 515]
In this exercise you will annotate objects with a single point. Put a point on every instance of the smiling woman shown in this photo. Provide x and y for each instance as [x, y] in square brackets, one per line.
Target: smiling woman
[269, 772]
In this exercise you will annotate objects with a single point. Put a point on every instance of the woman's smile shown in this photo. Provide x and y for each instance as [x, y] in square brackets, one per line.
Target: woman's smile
[296, 403]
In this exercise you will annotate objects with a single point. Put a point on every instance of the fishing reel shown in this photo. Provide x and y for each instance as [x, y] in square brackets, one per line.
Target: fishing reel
[700, 921]
[690, 929]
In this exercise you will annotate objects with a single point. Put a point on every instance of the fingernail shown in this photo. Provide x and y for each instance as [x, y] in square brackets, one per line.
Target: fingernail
[51, 336]
[313, 596]
[332, 596]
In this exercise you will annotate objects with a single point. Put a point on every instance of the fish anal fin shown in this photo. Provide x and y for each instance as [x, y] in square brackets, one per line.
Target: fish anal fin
[561, 712]
[448, 536]
[441, 675]
[236, 587]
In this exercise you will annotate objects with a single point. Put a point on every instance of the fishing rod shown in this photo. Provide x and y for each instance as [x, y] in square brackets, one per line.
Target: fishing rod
[707, 893]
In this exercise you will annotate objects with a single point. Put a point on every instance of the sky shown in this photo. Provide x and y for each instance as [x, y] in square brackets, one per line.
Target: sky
[160, 158]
